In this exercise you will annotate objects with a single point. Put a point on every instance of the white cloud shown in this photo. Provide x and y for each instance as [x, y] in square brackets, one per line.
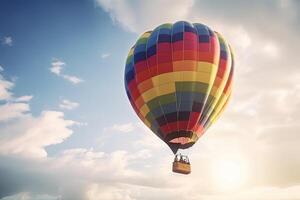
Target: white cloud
[68, 105]
[30, 196]
[1, 68]
[92, 168]
[138, 16]
[111, 176]
[29, 135]
[271, 50]
[26, 135]
[125, 128]
[105, 55]
[5, 87]
[57, 67]
[12, 107]
[25, 98]
[8, 41]
[10, 111]
[96, 192]
[72, 79]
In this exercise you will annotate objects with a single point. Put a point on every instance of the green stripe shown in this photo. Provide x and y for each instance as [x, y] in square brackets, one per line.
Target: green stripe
[197, 87]
[168, 26]
[128, 60]
[161, 100]
[142, 41]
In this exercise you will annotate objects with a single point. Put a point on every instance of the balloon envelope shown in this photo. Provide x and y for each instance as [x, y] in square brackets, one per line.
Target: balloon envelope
[178, 80]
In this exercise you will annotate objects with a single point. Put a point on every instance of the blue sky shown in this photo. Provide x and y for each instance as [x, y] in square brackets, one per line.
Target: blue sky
[64, 114]
[78, 34]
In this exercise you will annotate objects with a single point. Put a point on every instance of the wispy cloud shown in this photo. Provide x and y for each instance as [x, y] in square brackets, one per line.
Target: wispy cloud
[5, 87]
[124, 128]
[57, 67]
[8, 41]
[10, 111]
[68, 105]
[25, 98]
[125, 13]
[105, 55]
[72, 79]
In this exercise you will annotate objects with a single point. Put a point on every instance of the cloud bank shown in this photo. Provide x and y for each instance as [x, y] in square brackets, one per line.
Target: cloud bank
[259, 129]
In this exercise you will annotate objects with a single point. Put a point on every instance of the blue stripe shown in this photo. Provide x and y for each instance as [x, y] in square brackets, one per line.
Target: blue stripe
[201, 29]
[164, 38]
[139, 57]
[203, 38]
[189, 29]
[224, 55]
[130, 76]
[151, 51]
[139, 48]
[178, 27]
[177, 37]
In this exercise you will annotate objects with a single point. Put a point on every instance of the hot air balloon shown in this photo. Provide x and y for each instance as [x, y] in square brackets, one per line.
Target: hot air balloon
[178, 80]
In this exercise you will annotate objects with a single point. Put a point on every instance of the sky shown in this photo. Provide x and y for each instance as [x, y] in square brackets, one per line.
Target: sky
[67, 130]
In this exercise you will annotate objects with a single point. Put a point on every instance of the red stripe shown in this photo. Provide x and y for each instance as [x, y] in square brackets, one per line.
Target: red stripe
[182, 125]
[173, 126]
[190, 36]
[204, 47]
[163, 47]
[140, 66]
[177, 55]
[132, 85]
[153, 70]
[152, 61]
[142, 76]
[177, 46]
[135, 94]
[165, 129]
[164, 57]
[190, 55]
[194, 118]
[165, 67]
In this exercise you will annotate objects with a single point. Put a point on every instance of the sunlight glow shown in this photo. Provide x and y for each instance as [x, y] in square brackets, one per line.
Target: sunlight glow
[229, 174]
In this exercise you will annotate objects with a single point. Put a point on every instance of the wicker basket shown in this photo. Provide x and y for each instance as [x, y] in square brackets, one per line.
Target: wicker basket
[182, 168]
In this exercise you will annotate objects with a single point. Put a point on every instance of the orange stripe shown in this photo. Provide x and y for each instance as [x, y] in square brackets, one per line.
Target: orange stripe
[145, 85]
[185, 65]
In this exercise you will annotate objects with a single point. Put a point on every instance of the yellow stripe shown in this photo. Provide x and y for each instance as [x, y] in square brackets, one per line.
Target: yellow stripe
[165, 78]
[149, 94]
[158, 91]
[166, 89]
[147, 123]
[207, 67]
[217, 91]
[145, 35]
[182, 76]
[144, 110]
[130, 52]
[219, 105]
[220, 110]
